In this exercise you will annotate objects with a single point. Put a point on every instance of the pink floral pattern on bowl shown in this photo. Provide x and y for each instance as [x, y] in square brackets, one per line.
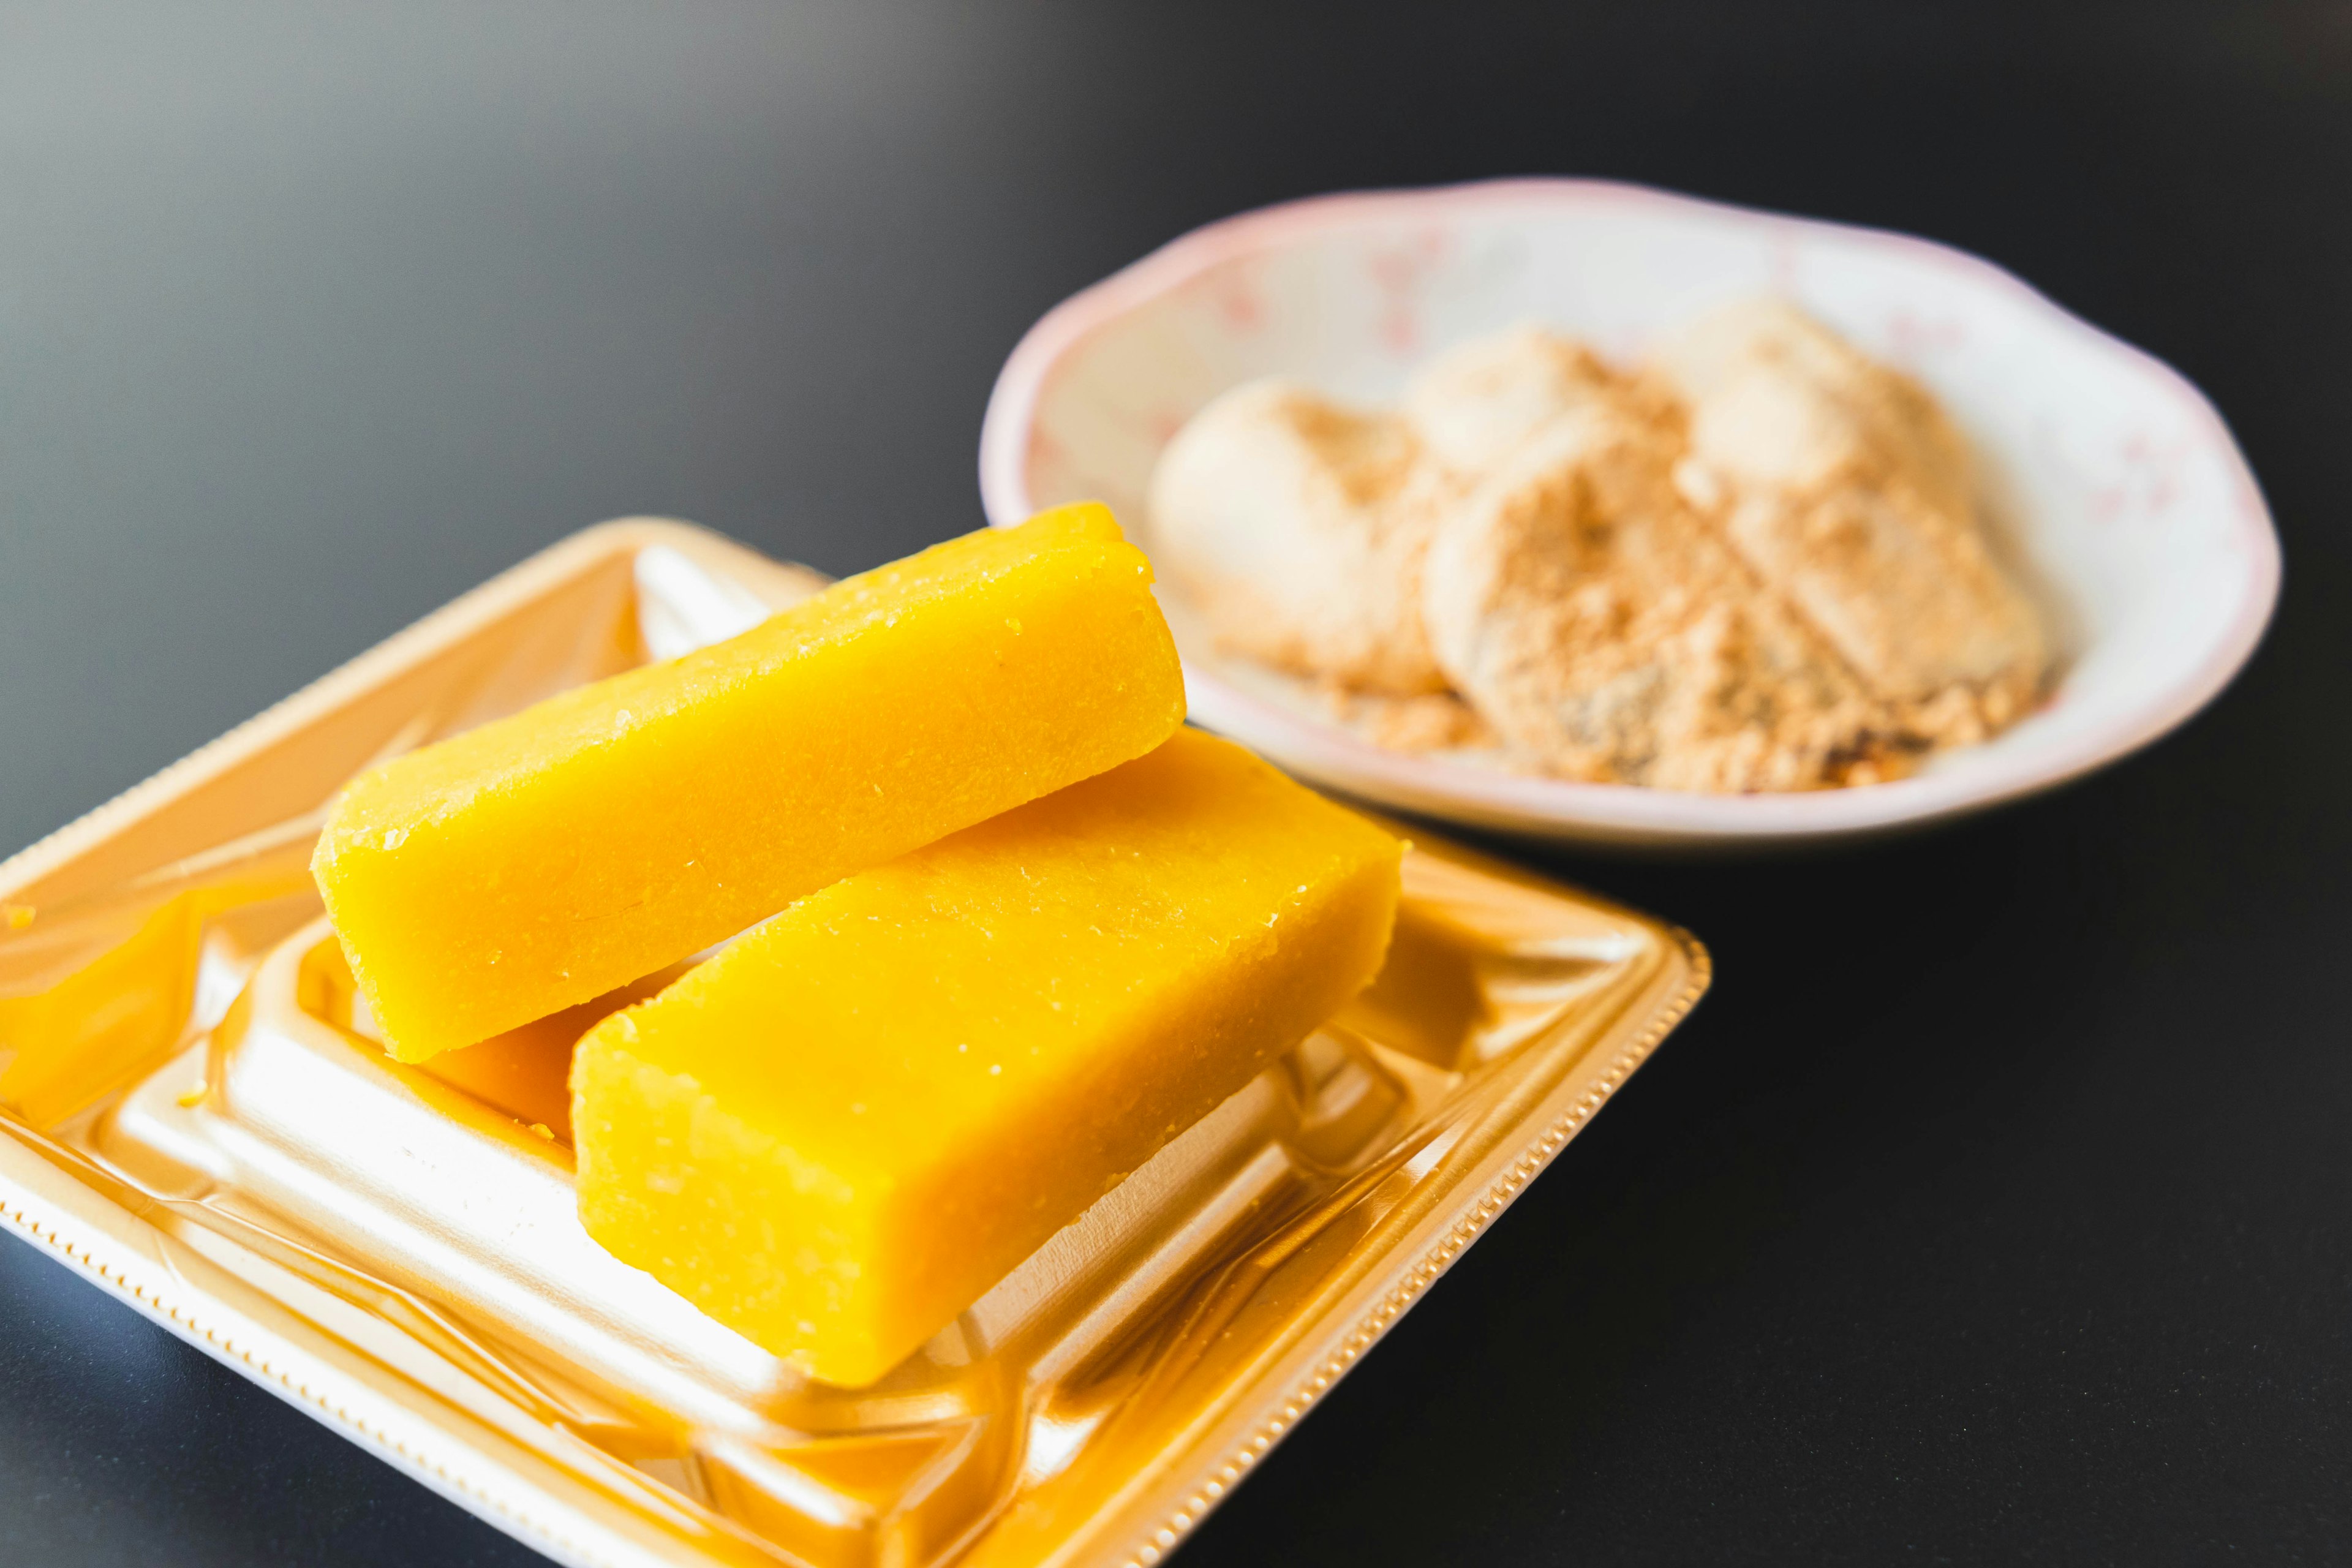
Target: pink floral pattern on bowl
[2114, 482]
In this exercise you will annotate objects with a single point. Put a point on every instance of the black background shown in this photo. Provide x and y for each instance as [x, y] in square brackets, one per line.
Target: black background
[1998, 1203]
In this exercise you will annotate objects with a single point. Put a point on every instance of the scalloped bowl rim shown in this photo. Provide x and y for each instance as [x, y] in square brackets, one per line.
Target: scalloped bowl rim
[1595, 811]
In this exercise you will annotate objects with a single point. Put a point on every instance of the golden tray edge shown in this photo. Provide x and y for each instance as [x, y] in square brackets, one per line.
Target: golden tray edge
[1200, 1474]
[48, 1195]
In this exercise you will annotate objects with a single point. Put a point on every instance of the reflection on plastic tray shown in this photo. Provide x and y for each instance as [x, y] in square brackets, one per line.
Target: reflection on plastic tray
[199, 1119]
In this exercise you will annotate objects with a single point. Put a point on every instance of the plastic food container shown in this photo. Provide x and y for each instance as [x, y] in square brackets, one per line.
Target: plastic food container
[191, 1115]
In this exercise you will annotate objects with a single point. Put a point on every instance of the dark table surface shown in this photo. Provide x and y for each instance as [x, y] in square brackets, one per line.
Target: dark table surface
[1998, 1203]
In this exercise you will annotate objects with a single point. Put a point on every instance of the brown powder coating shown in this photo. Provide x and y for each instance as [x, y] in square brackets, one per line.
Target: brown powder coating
[1608, 635]
[1434, 721]
[1299, 526]
[1848, 491]
[1756, 567]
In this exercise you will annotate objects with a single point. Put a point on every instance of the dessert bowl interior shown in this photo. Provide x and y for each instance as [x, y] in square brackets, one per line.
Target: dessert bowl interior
[2110, 483]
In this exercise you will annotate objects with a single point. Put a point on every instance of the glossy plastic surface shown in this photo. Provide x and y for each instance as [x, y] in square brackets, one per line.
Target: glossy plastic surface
[197, 1118]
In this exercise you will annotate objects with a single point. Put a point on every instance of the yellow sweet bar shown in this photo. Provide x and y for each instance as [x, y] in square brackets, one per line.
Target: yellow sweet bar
[542, 860]
[838, 1132]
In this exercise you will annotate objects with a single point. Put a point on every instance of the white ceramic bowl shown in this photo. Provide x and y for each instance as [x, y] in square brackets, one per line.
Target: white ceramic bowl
[2114, 480]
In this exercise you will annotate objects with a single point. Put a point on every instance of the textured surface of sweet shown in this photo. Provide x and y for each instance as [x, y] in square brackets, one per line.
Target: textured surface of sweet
[542, 860]
[840, 1131]
[1753, 565]
[1607, 635]
[1299, 525]
[1843, 485]
[1477, 404]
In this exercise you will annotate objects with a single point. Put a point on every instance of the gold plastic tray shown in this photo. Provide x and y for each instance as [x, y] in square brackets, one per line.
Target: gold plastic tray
[196, 1119]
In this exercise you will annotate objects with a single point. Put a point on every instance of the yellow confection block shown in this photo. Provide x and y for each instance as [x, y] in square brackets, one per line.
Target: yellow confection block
[542, 860]
[838, 1132]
